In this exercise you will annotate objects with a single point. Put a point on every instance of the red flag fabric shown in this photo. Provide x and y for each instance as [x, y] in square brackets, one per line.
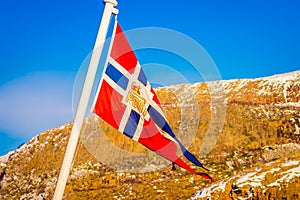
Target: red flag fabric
[127, 102]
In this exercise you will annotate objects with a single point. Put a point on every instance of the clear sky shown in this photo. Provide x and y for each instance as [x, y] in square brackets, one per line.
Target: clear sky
[43, 44]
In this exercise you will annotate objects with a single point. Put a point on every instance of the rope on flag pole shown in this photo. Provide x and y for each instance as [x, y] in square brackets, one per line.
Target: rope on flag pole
[65, 169]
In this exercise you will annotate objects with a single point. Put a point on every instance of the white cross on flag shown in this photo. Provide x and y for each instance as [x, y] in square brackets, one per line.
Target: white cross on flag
[127, 102]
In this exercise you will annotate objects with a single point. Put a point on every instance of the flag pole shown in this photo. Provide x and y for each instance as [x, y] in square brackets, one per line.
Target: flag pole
[65, 169]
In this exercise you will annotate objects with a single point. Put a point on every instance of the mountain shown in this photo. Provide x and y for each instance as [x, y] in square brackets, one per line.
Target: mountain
[245, 131]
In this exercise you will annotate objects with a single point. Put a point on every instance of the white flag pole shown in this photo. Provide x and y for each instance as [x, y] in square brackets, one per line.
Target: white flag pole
[109, 9]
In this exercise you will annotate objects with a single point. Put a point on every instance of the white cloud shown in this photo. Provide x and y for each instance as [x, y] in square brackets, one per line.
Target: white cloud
[36, 102]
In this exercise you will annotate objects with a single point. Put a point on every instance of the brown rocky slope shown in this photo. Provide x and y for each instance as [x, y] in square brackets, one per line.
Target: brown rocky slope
[245, 131]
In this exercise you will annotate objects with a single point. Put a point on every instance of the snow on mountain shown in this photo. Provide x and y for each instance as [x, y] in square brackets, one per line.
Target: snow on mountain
[275, 175]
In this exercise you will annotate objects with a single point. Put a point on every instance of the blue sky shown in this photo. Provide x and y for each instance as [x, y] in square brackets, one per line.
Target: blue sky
[43, 44]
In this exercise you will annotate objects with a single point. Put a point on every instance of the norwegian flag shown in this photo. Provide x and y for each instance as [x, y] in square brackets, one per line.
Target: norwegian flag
[127, 102]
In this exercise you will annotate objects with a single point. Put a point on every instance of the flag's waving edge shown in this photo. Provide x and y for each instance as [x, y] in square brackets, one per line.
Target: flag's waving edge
[127, 102]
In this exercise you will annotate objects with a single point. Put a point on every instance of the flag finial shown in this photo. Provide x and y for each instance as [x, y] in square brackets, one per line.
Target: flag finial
[113, 2]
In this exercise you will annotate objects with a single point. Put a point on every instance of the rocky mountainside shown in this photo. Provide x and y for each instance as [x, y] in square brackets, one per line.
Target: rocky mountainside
[247, 132]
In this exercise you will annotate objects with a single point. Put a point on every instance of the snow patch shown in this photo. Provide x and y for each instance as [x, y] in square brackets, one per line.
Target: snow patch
[290, 163]
[245, 178]
[206, 192]
[285, 88]
[253, 179]
[297, 131]
[62, 127]
[287, 176]
[4, 159]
